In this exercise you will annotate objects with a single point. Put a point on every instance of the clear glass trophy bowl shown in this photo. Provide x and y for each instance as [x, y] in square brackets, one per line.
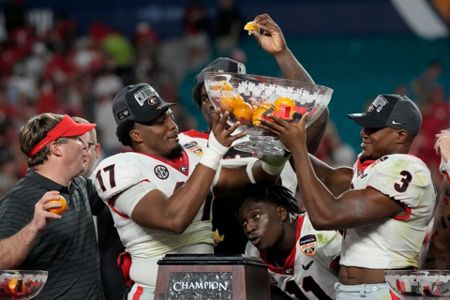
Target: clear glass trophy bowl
[250, 98]
[21, 284]
[420, 284]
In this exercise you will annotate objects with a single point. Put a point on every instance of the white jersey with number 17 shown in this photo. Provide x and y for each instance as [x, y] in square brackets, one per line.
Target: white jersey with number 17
[135, 174]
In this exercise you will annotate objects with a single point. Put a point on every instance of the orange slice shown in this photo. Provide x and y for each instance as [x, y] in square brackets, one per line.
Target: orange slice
[284, 102]
[243, 112]
[62, 208]
[13, 284]
[250, 27]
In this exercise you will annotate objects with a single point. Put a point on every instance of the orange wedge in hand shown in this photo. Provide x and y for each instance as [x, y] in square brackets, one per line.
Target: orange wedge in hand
[250, 27]
[61, 209]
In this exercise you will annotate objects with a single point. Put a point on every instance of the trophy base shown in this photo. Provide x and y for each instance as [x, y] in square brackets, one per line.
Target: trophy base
[260, 145]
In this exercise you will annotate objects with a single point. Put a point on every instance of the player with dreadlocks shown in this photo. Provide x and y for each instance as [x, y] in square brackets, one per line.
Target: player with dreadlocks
[301, 260]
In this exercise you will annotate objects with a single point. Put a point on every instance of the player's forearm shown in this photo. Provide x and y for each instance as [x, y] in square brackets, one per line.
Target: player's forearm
[316, 198]
[232, 179]
[261, 174]
[315, 132]
[291, 67]
[293, 70]
[14, 249]
[185, 203]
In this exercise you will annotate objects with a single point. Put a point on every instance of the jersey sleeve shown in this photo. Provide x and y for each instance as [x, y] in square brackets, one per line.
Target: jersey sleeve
[117, 174]
[402, 178]
[127, 201]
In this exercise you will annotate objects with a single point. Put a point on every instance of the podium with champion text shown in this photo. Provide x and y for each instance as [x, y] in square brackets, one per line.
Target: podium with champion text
[206, 276]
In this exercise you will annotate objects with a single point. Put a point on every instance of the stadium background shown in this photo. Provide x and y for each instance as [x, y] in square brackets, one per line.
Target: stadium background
[360, 48]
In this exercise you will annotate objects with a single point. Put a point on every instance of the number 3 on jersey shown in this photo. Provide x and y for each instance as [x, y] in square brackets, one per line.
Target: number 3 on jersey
[404, 182]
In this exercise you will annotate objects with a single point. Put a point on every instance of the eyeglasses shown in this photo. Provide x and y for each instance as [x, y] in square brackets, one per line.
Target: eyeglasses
[86, 145]
[90, 144]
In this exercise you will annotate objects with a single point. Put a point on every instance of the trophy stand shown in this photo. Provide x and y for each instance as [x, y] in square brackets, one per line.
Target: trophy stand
[206, 276]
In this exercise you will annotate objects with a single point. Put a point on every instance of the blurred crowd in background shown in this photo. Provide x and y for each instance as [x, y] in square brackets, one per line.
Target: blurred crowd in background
[56, 69]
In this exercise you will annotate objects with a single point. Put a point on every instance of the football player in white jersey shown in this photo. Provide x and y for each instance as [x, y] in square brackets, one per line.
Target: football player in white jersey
[386, 212]
[270, 38]
[436, 255]
[156, 193]
[303, 262]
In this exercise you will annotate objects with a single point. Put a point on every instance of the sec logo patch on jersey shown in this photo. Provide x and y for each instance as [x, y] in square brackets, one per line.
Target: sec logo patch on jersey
[308, 244]
[161, 172]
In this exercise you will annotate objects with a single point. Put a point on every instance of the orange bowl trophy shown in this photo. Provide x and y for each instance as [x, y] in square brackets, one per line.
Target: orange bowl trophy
[420, 284]
[21, 284]
[250, 98]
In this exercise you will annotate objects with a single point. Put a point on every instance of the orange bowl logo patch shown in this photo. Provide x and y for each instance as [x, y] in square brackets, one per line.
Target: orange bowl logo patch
[308, 244]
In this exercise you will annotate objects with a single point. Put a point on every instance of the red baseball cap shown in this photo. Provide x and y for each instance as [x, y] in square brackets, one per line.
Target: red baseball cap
[67, 127]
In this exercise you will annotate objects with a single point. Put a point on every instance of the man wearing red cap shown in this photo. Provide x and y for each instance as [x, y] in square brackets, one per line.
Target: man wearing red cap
[31, 237]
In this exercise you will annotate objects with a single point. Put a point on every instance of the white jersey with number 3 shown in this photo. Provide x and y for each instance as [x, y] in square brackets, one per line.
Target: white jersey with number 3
[393, 242]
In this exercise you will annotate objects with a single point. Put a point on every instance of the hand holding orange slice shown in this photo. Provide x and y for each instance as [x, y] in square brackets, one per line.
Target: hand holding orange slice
[250, 27]
[61, 209]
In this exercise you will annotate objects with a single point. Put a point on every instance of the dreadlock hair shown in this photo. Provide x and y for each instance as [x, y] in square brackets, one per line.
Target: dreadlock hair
[269, 193]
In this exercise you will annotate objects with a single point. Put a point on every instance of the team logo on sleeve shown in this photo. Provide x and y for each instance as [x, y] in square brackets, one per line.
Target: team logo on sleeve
[308, 244]
[161, 172]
